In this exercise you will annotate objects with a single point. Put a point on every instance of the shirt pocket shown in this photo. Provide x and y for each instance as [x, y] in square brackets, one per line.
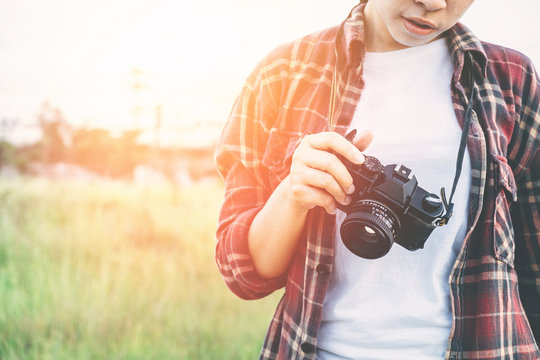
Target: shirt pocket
[278, 153]
[505, 194]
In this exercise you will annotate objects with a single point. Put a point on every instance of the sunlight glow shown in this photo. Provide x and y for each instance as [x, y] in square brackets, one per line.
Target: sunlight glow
[192, 56]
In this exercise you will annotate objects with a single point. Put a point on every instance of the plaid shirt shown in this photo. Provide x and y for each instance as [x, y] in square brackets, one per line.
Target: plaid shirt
[495, 282]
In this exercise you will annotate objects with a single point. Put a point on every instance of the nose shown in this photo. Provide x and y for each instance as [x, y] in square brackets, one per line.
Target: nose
[432, 5]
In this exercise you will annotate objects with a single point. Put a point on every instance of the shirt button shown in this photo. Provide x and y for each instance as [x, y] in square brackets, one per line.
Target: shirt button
[322, 269]
[307, 348]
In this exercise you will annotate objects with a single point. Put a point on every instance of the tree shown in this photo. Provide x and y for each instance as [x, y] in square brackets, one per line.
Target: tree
[56, 134]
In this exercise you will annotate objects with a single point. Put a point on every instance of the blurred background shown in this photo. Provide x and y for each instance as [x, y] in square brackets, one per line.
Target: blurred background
[109, 113]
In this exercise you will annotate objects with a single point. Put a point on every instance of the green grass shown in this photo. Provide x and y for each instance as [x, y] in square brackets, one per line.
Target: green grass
[118, 271]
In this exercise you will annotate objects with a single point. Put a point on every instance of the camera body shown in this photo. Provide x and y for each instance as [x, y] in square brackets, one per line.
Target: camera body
[388, 206]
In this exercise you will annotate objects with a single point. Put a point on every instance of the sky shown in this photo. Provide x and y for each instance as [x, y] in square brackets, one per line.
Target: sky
[189, 57]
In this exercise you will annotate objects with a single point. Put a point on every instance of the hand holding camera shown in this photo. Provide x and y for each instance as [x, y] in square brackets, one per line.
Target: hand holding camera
[318, 177]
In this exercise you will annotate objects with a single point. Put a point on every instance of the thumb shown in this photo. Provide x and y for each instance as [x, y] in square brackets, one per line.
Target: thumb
[363, 139]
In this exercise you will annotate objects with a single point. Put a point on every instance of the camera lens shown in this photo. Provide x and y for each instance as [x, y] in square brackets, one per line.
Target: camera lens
[370, 233]
[370, 229]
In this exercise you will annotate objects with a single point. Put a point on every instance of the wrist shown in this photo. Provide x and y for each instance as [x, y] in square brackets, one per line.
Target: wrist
[286, 195]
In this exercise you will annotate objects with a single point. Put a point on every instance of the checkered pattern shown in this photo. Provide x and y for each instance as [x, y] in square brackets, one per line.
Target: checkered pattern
[495, 282]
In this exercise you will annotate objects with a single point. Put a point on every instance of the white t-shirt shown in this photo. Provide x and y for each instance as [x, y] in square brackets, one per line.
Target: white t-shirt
[398, 306]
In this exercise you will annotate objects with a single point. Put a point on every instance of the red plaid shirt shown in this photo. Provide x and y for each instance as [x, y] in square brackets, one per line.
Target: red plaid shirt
[495, 282]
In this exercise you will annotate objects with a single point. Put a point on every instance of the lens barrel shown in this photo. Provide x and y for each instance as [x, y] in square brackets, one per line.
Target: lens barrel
[370, 229]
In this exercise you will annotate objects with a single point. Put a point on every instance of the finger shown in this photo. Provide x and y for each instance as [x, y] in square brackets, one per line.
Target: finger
[363, 139]
[331, 164]
[311, 197]
[323, 180]
[331, 141]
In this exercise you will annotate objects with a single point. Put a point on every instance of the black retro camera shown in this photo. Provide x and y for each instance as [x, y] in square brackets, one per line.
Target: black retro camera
[388, 206]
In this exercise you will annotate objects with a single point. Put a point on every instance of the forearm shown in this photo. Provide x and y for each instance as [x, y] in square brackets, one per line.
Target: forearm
[275, 231]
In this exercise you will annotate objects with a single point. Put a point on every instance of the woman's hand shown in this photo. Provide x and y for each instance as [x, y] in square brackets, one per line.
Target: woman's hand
[318, 177]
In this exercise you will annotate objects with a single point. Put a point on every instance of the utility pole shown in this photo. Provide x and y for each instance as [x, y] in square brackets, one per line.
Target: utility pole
[160, 161]
[138, 86]
[157, 125]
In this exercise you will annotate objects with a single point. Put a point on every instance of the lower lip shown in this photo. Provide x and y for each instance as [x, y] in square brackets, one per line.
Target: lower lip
[417, 30]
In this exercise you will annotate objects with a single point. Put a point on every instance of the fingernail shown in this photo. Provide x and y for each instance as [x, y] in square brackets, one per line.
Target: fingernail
[347, 200]
[359, 157]
[351, 189]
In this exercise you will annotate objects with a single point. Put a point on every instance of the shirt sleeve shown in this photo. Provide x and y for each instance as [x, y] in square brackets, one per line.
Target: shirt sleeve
[240, 160]
[526, 212]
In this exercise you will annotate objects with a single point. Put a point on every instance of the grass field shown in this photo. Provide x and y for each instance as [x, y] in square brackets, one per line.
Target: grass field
[118, 271]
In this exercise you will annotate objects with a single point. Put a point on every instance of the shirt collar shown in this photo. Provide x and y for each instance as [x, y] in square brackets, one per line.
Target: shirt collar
[463, 41]
[350, 41]
[350, 44]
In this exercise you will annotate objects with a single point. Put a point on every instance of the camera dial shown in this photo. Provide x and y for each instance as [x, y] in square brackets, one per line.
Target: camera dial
[372, 165]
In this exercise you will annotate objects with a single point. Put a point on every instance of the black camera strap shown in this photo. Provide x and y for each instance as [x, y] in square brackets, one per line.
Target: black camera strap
[448, 204]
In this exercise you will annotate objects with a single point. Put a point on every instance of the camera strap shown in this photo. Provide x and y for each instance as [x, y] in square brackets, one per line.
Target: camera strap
[448, 204]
